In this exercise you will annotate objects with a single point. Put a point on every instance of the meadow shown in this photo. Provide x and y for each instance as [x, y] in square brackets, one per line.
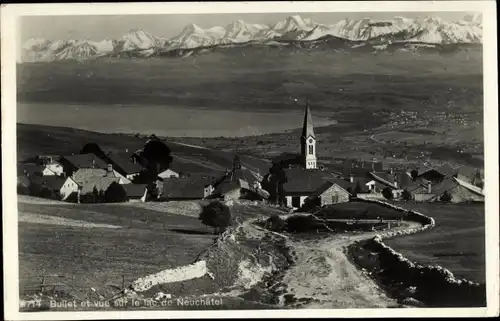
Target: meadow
[456, 243]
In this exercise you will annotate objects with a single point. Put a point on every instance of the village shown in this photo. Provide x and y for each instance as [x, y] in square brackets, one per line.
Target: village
[295, 181]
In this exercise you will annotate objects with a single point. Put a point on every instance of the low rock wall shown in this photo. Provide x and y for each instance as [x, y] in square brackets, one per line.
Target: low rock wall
[436, 286]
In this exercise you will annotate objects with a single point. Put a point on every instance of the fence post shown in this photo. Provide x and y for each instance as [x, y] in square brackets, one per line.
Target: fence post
[123, 281]
[42, 285]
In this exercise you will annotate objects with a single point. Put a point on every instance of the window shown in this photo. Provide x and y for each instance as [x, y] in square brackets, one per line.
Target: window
[311, 149]
[335, 199]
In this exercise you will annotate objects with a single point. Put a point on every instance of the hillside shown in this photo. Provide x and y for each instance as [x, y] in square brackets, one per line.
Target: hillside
[35, 140]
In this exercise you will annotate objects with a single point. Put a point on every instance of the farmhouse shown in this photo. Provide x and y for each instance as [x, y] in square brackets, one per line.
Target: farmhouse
[238, 183]
[458, 191]
[53, 168]
[191, 188]
[61, 187]
[123, 164]
[301, 183]
[74, 162]
[327, 194]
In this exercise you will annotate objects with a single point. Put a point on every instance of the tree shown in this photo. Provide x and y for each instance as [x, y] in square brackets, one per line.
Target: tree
[93, 148]
[274, 183]
[446, 197]
[217, 215]
[157, 155]
[387, 193]
[275, 223]
[414, 174]
[115, 193]
[145, 177]
[406, 195]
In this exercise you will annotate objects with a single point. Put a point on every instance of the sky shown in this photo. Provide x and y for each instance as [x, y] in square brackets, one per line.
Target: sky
[169, 25]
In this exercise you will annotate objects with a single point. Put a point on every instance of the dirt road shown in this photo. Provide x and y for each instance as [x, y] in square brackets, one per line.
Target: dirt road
[323, 277]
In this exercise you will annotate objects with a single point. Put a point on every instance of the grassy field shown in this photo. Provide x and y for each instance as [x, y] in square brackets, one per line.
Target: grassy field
[456, 243]
[149, 241]
[359, 210]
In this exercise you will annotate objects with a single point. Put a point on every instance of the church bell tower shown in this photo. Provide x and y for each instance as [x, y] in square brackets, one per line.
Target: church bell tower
[308, 141]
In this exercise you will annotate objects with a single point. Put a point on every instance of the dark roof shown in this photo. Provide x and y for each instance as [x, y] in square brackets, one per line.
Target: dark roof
[185, 167]
[300, 180]
[384, 178]
[86, 161]
[467, 172]
[124, 164]
[446, 170]
[320, 190]
[446, 185]
[23, 180]
[54, 183]
[134, 190]
[30, 169]
[184, 187]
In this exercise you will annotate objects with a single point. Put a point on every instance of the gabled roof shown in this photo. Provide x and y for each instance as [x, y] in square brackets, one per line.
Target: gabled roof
[467, 173]
[191, 188]
[470, 187]
[383, 178]
[85, 161]
[124, 164]
[301, 180]
[30, 169]
[446, 185]
[308, 128]
[54, 183]
[82, 175]
[134, 190]
[327, 185]
[101, 183]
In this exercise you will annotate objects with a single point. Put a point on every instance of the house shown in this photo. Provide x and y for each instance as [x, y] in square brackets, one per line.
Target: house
[421, 190]
[123, 164]
[29, 169]
[99, 183]
[83, 173]
[301, 183]
[458, 191]
[184, 188]
[327, 194]
[62, 187]
[53, 168]
[136, 192]
[470, 175]
[238, 183]
[168, 173]
[74, 162]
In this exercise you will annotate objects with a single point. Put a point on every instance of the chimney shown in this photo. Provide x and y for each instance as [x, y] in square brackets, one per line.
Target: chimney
[110, 168]
[351, 178]
[392, 171]
[429, 187]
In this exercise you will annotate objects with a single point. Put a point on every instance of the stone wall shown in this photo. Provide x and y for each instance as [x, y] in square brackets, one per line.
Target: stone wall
[436, 286]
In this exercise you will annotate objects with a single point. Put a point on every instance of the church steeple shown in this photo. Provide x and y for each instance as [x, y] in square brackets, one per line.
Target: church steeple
[308, 128]
[308, 141]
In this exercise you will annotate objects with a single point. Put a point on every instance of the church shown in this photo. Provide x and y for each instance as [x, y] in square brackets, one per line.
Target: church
[300, 176]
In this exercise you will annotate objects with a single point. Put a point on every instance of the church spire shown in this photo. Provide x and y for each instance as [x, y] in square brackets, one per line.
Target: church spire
[308, 128]
[308, 141]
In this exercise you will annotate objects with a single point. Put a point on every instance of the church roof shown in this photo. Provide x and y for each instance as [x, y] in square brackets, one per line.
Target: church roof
[300, 180]
[308, 128]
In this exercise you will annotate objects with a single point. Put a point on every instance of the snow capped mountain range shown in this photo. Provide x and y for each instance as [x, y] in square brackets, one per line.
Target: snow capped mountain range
[430, 30]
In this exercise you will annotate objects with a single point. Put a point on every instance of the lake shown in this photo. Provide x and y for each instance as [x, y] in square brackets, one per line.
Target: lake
[166, 120]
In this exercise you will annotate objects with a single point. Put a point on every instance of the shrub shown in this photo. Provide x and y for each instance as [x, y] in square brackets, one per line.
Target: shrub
[275, 223]
[301, 223]
[23, 190]
[216, 215]
[406, 195]
[387, 193]
[446, 197]
[115, 194]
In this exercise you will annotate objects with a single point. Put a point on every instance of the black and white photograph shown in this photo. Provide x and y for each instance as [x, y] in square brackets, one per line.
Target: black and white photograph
[289, 160]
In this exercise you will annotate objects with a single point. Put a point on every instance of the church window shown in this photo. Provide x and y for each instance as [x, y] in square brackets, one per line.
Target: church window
[311, 149]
